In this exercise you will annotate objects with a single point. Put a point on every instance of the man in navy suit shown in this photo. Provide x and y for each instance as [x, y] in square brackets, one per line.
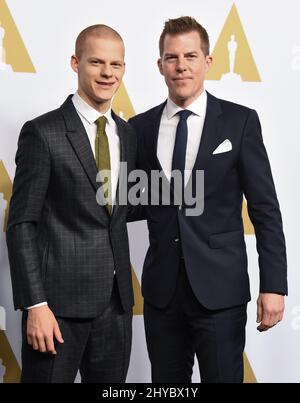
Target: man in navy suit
[195, 281]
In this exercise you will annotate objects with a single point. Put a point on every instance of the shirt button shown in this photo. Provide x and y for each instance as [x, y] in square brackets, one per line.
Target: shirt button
[180, 208]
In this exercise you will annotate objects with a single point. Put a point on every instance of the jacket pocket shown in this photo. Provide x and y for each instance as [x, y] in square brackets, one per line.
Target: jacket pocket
[217, 241]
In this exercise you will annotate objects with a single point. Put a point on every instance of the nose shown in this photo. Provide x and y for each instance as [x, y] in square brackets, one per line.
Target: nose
[181, 65]
[106, 71]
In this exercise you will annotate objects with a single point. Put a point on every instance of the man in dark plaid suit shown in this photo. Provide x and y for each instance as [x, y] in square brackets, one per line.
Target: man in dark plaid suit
[68, 252]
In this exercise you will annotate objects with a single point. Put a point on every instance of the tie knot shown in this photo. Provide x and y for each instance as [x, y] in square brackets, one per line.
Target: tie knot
[183, 115]
[101, 122]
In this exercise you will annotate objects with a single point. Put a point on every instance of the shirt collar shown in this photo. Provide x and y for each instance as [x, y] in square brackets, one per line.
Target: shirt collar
[88, 112]
[198, 107]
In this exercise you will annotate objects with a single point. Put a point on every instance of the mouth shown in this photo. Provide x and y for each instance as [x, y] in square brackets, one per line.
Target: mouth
[104, 84]
[182, 79]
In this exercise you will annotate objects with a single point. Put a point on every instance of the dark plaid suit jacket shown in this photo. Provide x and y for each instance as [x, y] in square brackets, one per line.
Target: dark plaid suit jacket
[63, 246]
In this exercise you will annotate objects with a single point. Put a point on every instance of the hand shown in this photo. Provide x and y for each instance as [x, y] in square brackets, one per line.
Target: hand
[41, 327]
[270, 308]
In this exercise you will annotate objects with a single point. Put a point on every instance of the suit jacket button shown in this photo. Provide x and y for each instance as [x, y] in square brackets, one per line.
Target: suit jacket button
[176, 240]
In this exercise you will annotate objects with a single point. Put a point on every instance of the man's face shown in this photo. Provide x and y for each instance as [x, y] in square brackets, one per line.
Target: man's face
[184, 66]
[100, 70]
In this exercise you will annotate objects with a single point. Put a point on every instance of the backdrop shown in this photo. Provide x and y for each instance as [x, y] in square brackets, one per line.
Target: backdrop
[263, 41]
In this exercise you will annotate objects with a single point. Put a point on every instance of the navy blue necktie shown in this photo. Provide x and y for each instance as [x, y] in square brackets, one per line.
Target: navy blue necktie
[179, 152]
[181, 142]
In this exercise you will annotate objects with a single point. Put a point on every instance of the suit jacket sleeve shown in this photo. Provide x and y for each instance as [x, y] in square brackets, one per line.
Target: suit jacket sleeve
[263, 208]
[29, 190]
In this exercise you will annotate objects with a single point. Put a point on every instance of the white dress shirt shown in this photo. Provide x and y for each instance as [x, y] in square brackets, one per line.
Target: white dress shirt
[167, 134]
[88, 116]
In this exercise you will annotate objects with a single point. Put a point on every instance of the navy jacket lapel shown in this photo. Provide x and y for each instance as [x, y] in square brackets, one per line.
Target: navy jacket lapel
[210, 134]
[151, 137]
[151, 143]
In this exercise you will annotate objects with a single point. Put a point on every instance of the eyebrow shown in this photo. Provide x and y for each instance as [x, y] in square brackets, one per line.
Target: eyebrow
[192, 52]
[170, 54]
[103, 61]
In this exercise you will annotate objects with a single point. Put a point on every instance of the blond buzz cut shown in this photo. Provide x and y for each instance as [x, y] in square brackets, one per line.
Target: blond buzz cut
[98, 31]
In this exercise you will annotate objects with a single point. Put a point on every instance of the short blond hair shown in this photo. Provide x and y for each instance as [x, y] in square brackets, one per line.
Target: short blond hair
[100, 31]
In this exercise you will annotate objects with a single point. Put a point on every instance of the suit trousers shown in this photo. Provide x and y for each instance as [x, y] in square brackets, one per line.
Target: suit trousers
[99, 348]
[185, 328]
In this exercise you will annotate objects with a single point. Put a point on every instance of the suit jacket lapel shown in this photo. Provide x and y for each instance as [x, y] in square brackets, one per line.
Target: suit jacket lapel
[210, 135]
[151, 138]
[80, 143]
[152, 145]
[78, 138]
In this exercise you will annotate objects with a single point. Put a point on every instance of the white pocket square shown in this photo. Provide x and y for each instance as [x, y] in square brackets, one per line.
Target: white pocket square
[223, 147]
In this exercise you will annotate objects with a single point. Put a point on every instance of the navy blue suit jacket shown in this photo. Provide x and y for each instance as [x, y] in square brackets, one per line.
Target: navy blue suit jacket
[213, 243]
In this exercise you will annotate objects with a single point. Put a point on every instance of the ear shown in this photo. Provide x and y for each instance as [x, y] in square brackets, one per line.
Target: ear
[159, 64]
[74, 63]
[209, 62]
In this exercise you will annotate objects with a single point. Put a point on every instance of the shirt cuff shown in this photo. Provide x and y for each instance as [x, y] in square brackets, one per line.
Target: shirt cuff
[37, 305]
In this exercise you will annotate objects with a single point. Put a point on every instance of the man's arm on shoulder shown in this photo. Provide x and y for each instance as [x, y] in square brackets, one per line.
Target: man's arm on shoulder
[135, 212]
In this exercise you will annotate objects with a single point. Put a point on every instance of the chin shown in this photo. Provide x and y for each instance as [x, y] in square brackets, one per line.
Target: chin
[182, 96]
[103, 97]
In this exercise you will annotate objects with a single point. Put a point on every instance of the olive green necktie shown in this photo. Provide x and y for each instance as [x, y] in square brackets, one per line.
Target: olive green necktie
[103, 159]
